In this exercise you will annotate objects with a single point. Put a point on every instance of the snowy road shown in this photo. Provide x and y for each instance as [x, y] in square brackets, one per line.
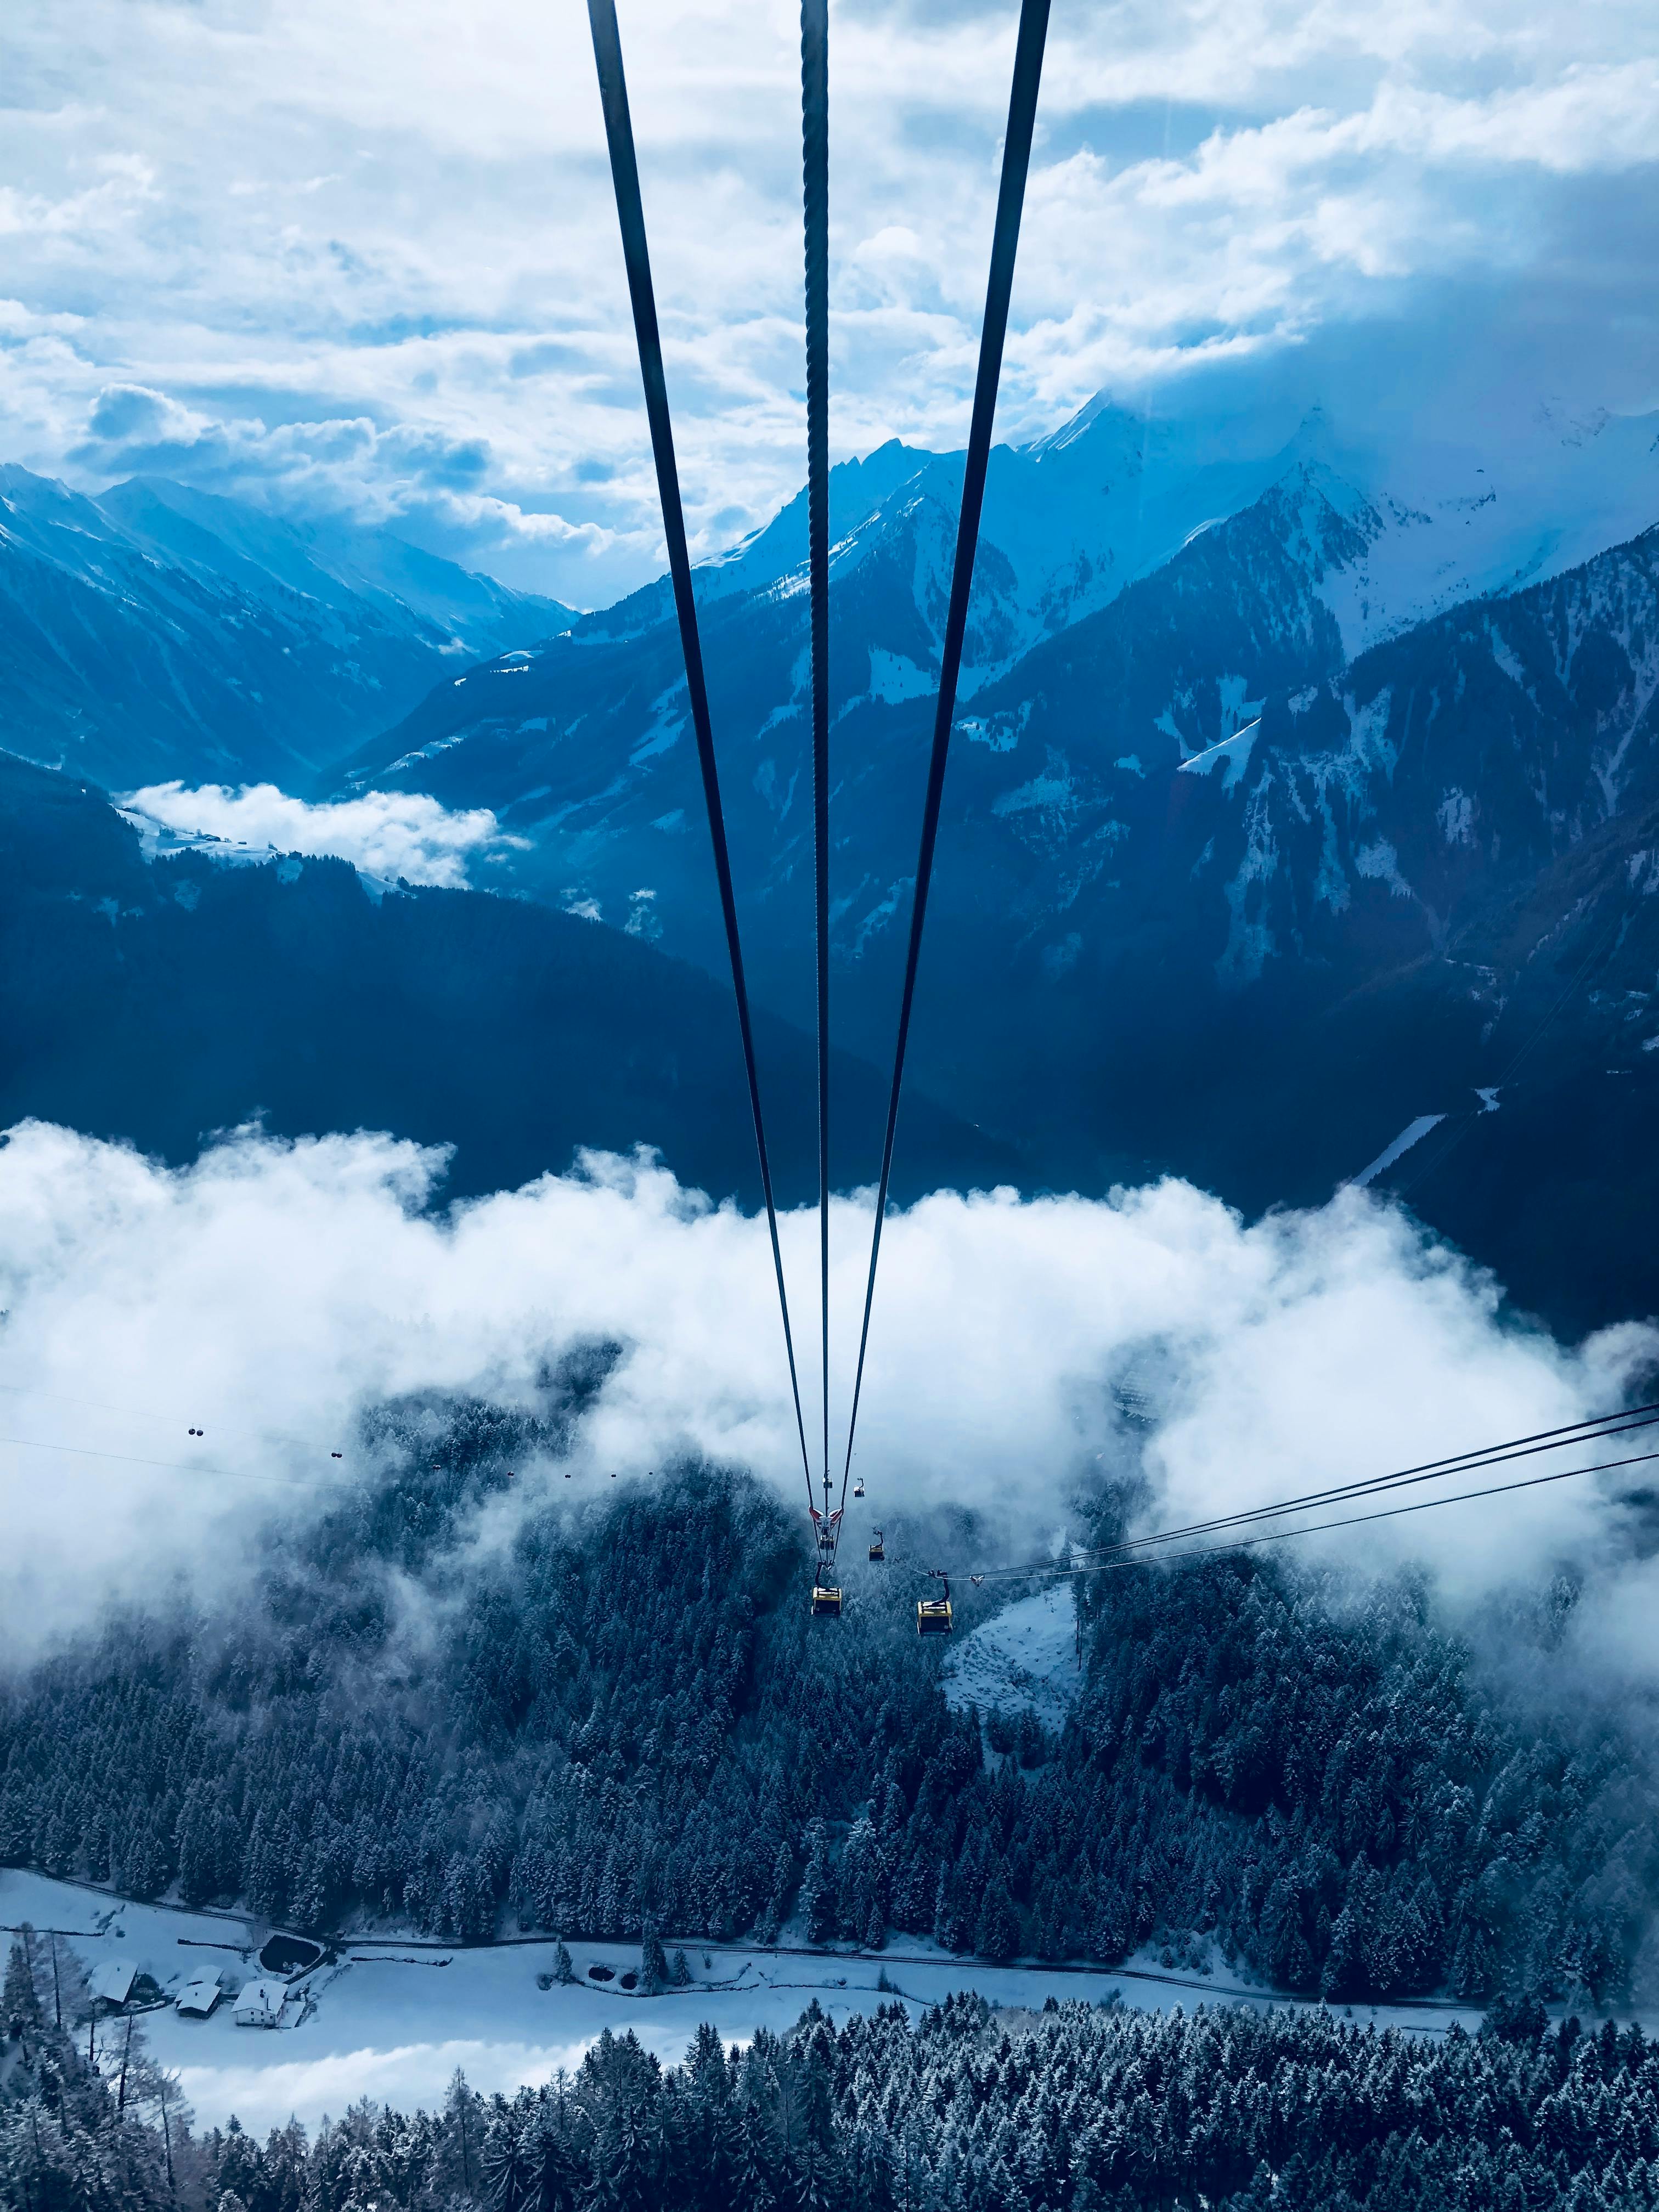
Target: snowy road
[396, 2028]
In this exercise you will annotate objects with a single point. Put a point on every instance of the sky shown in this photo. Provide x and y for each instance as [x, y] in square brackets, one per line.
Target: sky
[337, 256]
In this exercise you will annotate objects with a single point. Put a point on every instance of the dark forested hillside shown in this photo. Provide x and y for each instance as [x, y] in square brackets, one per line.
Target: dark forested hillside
[629, 1719]
[160, 1003]
[962, 2109]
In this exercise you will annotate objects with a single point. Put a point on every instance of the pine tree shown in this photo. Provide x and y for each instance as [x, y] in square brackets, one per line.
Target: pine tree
[818, 1895]
[19, 2000]
[653, 1961]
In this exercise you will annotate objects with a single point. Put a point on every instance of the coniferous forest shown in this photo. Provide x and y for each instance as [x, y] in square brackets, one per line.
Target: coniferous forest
[1079, 2108]
[623, 1719]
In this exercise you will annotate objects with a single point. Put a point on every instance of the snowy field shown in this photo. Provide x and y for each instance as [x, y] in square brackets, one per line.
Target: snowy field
[393, 2022]
[1025, 1657]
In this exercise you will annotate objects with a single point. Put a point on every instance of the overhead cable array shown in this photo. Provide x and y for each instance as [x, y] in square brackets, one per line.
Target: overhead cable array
[815, 227]
[1010, 201]
[815, 201]
[630, 215]
[1131, 1551]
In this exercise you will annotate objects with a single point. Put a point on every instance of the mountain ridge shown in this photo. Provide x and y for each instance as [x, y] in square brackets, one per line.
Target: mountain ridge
[158, 632]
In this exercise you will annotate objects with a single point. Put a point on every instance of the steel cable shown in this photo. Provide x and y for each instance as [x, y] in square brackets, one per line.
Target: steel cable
[815, 225]
[1100, 1566]
[631, 216]
[1589, 1432]
[1469, 1463]
[1011, 197]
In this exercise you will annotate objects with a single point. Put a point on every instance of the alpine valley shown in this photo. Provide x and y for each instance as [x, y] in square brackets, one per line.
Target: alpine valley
[1304, 790]
[1301, 829]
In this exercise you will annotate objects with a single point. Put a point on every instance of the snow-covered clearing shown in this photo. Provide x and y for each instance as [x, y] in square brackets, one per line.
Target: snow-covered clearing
[1023, 1657]
[394, 2023]
[1411, 1134]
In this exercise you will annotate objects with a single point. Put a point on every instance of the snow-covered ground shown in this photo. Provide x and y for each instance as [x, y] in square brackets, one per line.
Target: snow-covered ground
[393, 2022]
[1023, 1656]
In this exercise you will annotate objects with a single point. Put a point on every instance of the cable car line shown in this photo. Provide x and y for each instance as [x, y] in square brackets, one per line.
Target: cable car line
[1016, 160]
[1054, 1568]
[815, 228]
[103, 1406]
[630, 217]
[1587, 1433]
[175, 1467]
[1581, 1432]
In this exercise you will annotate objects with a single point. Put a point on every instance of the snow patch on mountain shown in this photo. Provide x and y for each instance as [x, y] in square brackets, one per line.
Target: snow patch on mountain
[1232, 754]
[894, 678]
[1024, 1659]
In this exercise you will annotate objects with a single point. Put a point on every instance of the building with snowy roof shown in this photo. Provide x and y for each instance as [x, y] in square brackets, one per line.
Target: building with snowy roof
[111, 1983]
[260, 2004]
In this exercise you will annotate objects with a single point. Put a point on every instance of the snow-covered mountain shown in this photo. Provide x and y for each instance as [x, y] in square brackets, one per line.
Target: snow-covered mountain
[159, 632]
[1257, 739]
[1374, 531]
[1141, 590]
[1283, 755]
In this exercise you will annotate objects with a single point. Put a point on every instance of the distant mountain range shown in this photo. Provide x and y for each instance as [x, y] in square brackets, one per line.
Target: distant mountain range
[159, 632]
[1302, 792]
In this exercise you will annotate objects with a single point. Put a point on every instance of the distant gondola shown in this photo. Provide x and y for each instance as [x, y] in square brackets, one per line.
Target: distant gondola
[877, 1549]
[826, 1603]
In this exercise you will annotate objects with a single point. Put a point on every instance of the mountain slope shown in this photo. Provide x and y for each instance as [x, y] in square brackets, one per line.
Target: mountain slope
[582, 745]
[1211, 897]
[159, 632]
[160, 1003]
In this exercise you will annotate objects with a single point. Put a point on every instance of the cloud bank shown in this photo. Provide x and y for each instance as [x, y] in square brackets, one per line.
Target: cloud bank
[266, 1295]
[385, 833]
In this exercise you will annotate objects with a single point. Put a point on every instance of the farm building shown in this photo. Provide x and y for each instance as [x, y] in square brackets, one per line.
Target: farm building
[196, 1999]
[111, 1983]
[260, 2004]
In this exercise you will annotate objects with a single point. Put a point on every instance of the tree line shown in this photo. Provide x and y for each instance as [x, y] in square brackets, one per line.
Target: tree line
[965, 2108]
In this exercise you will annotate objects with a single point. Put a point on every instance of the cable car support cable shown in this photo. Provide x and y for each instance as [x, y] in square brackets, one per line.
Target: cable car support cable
[630, 215]
[1059, 1570]
[1589, 1433]
[815, 226]
[1015, 162]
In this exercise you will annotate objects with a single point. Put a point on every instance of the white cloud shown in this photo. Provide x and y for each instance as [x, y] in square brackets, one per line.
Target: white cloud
[269, 1292]
[389, 833]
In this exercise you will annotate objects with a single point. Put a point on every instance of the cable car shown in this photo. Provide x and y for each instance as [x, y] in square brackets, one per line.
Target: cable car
[826, 1603]
[858, 1487]
[877, 1549]
[933, 1615]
